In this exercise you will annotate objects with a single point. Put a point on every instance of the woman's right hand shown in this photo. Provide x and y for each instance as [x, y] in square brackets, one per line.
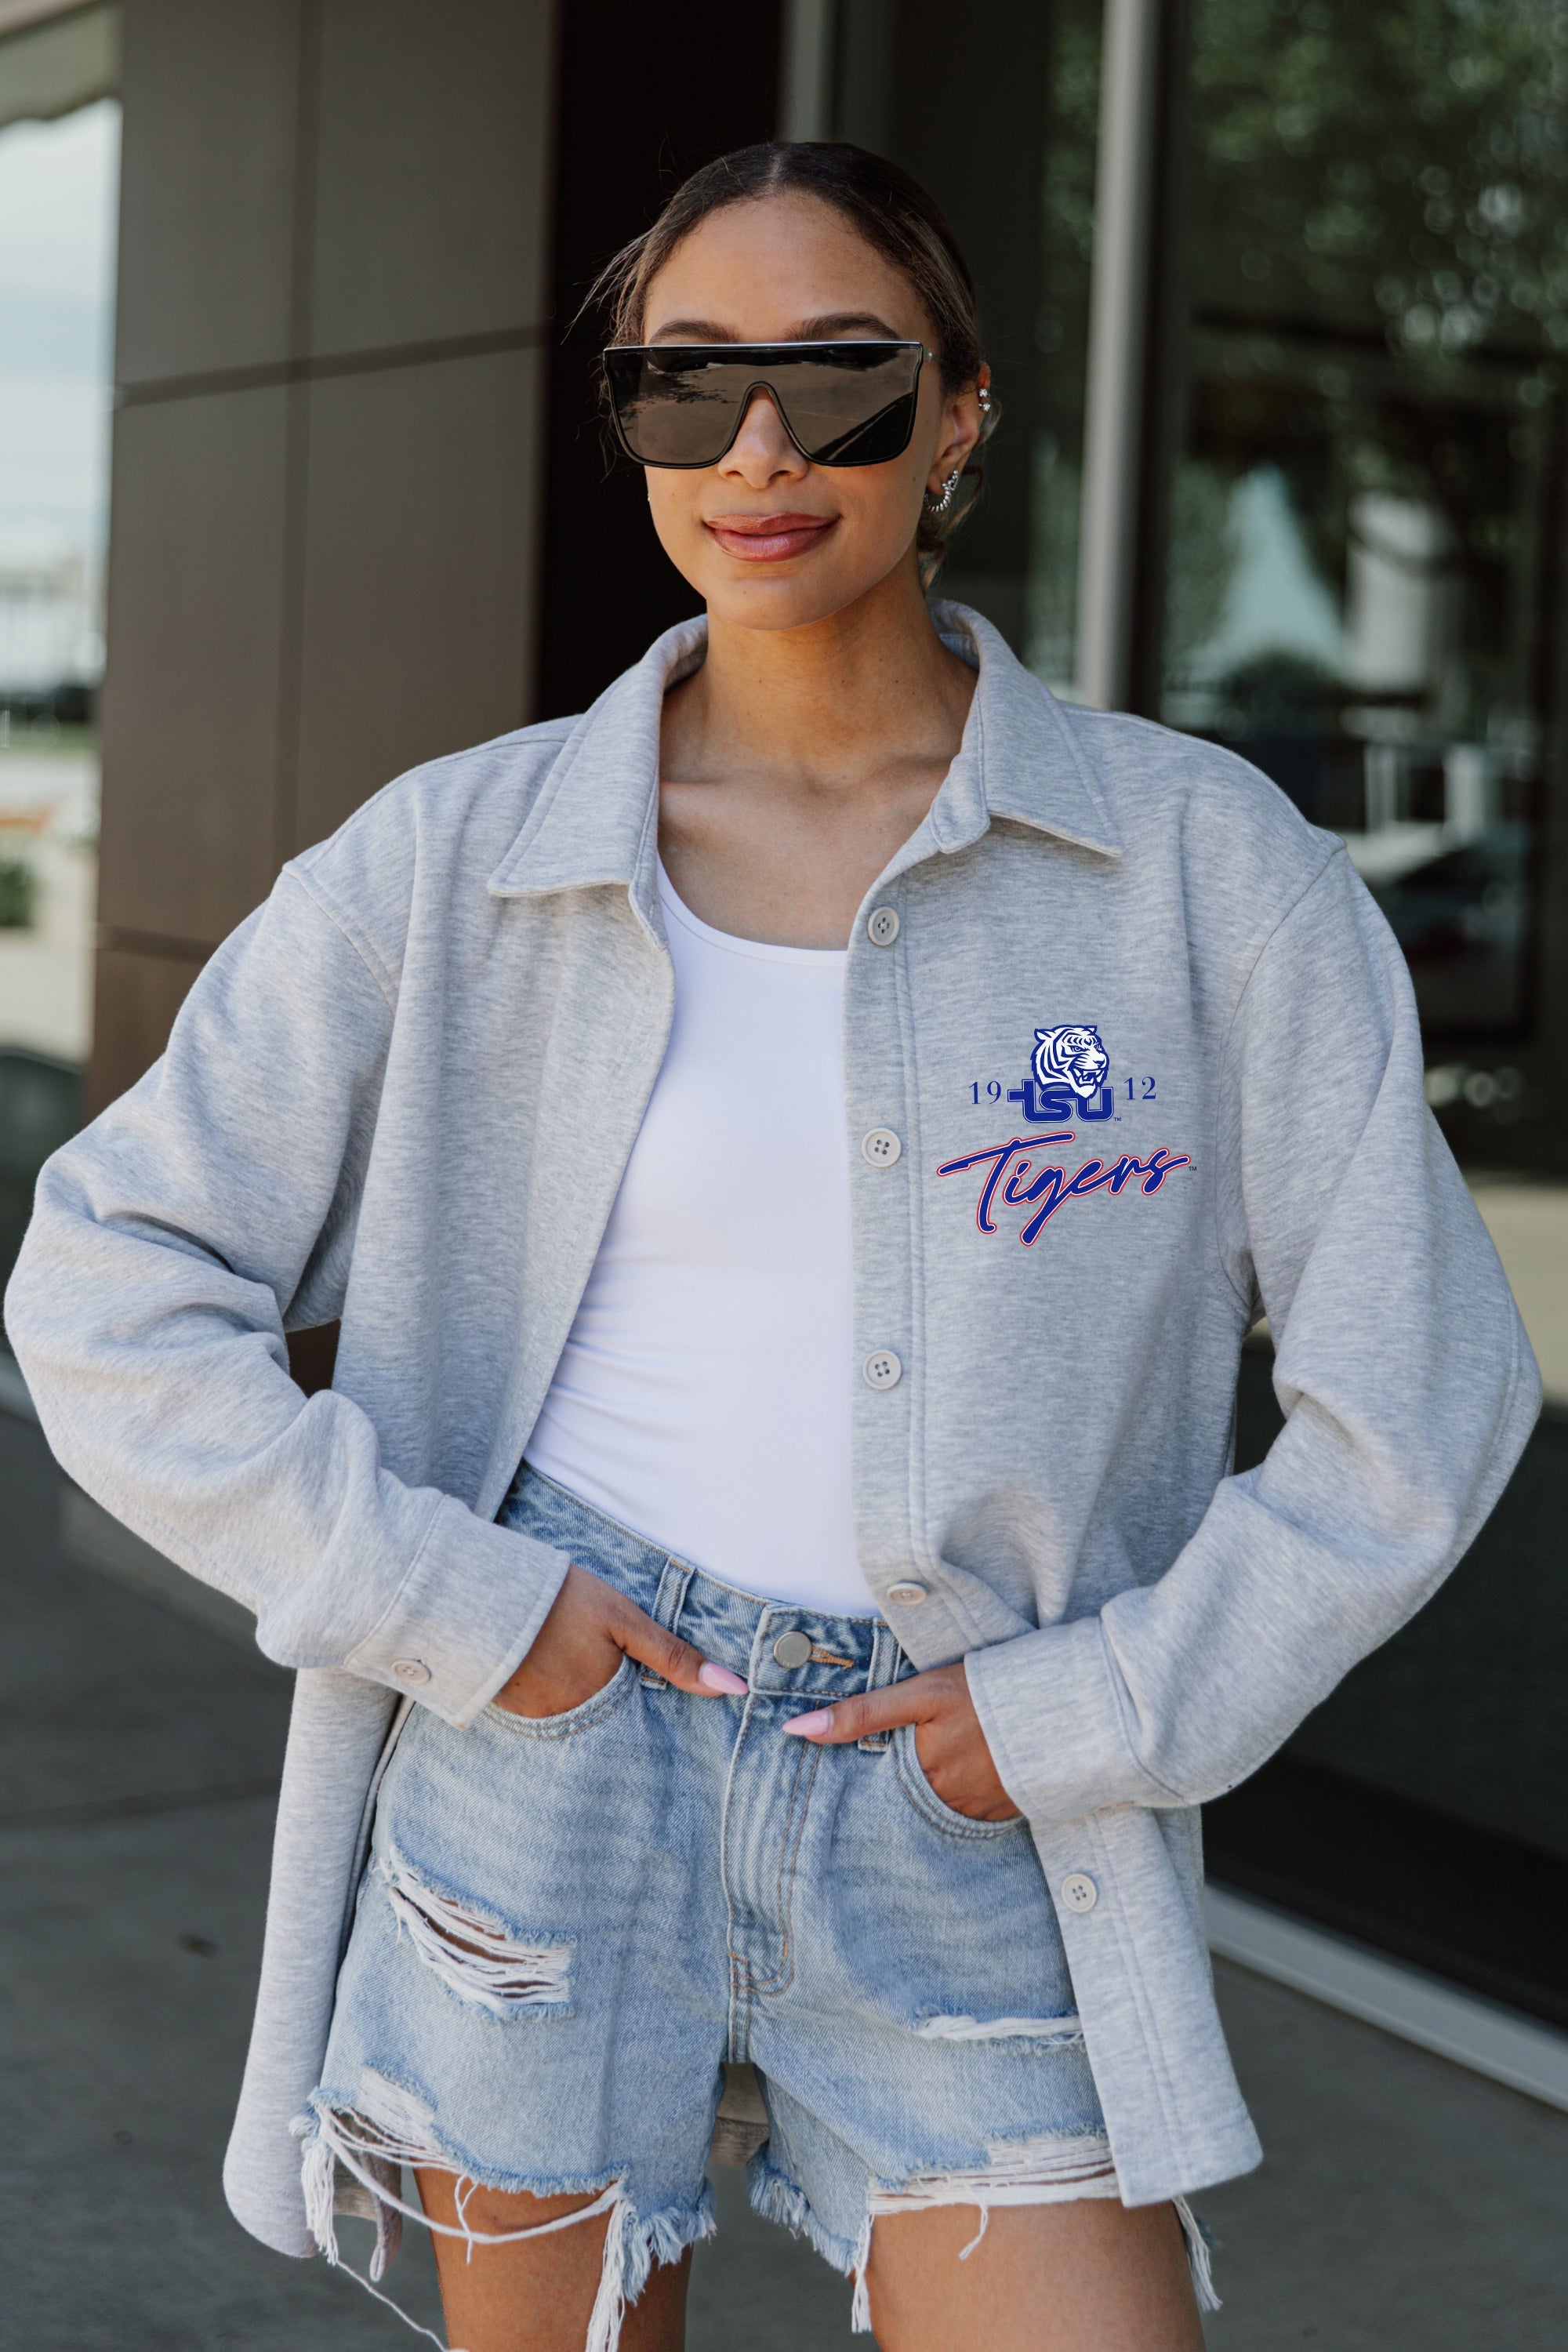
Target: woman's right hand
[579, 1648]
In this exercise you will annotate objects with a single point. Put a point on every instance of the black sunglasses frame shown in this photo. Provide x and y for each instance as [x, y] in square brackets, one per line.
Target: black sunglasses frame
[851, 356]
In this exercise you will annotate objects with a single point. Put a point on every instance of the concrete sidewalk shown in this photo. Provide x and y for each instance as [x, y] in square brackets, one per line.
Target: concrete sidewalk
[1405, 2202]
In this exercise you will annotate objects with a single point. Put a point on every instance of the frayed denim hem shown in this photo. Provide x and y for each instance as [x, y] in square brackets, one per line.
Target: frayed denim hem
[354, 2164]
[776, 2198]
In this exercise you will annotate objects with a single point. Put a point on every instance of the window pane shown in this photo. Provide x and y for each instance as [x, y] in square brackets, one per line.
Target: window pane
[57, 188]
[1361, 571]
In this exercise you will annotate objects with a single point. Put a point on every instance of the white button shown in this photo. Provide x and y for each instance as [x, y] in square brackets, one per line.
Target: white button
[882, 926]
[883, 1370]
[906, 1593]
[880, 1148]
[1079, 1892]
[411, 1670]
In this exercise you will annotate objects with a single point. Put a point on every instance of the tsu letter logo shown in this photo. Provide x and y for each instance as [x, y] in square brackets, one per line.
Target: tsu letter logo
[1073, 1056]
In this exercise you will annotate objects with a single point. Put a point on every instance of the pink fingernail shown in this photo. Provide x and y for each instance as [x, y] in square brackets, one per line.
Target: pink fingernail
[808, 1726]
[719, 1678]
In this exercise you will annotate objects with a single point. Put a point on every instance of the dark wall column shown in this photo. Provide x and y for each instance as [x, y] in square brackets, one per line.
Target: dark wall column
[644, 100]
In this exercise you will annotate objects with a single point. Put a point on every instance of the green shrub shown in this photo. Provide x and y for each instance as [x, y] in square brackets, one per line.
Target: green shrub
[19, 893]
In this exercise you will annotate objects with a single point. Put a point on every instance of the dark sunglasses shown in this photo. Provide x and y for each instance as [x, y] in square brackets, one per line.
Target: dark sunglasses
[841, 404]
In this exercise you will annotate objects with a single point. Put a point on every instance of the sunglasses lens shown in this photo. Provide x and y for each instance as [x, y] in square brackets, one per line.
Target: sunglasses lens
[852, 404]
[848, 415]
[675, 407]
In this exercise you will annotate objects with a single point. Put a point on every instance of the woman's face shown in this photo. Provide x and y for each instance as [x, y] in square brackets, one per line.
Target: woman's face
[768, 539]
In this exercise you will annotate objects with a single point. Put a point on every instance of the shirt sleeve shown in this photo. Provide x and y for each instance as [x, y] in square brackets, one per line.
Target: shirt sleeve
[1406, 1382]
[172, 1243]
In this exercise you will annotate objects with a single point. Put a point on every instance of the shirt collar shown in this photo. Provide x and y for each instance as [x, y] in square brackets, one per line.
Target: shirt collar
[595, 819]
[1019, 759]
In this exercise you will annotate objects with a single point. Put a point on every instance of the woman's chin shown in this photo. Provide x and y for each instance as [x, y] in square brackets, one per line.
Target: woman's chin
[796, 595]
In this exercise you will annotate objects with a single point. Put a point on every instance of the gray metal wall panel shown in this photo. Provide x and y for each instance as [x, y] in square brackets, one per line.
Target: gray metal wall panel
[430, 173]
[191, 701]
[138, 992]
[418, 625]
[206, 233]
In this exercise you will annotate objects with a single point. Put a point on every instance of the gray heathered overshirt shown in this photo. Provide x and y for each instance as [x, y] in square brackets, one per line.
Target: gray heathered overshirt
[402, 1094]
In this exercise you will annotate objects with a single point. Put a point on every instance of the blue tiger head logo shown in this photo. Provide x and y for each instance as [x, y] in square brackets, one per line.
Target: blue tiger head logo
[1072, 1057]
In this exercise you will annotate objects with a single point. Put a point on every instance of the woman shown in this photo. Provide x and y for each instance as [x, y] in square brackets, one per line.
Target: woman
[794, 1153]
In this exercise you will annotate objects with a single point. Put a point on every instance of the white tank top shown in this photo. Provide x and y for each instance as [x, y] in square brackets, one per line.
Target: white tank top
[704, 1396]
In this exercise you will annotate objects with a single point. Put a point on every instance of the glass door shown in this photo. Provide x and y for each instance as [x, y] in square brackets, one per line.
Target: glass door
[1361, 589]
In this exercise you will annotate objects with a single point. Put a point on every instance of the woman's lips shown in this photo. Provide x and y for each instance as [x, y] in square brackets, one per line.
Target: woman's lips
[769, 538]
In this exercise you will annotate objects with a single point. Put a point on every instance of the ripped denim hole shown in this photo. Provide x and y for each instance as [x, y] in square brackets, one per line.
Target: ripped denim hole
[1060, 2031]
[483, 1963]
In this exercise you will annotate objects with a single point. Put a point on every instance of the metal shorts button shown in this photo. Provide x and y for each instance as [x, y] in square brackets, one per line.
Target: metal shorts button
[411, 1670]
[793, 1649]
[1079, 1892]
[882, 1370]
[882, 926]
[907, 1593]
[880, 1148]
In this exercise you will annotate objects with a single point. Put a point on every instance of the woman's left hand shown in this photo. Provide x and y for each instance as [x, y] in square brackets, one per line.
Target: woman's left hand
[949, 1741]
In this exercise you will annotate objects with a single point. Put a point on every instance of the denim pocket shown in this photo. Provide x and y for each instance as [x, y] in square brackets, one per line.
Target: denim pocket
[912, 1780]
[582, 1718]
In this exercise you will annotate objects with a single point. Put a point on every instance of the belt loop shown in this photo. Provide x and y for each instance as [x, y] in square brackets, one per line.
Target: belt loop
[882, 1670]
[668, 1603]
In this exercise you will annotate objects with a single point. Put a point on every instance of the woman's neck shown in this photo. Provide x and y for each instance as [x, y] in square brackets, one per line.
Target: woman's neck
[797, 762]
[862, 698]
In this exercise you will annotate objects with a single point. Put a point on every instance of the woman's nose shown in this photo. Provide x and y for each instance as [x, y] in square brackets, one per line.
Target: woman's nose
[762, 449]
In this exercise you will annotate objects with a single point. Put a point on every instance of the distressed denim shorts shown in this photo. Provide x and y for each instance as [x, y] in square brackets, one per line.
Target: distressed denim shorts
[594, 1948]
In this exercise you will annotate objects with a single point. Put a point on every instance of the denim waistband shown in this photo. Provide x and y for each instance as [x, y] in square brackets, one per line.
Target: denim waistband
[738, 1629]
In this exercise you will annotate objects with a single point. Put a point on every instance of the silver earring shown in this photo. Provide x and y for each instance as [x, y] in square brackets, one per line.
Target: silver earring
[937, 507]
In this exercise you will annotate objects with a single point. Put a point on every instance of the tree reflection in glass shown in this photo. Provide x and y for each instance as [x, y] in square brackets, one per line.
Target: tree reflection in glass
[1357, 589]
